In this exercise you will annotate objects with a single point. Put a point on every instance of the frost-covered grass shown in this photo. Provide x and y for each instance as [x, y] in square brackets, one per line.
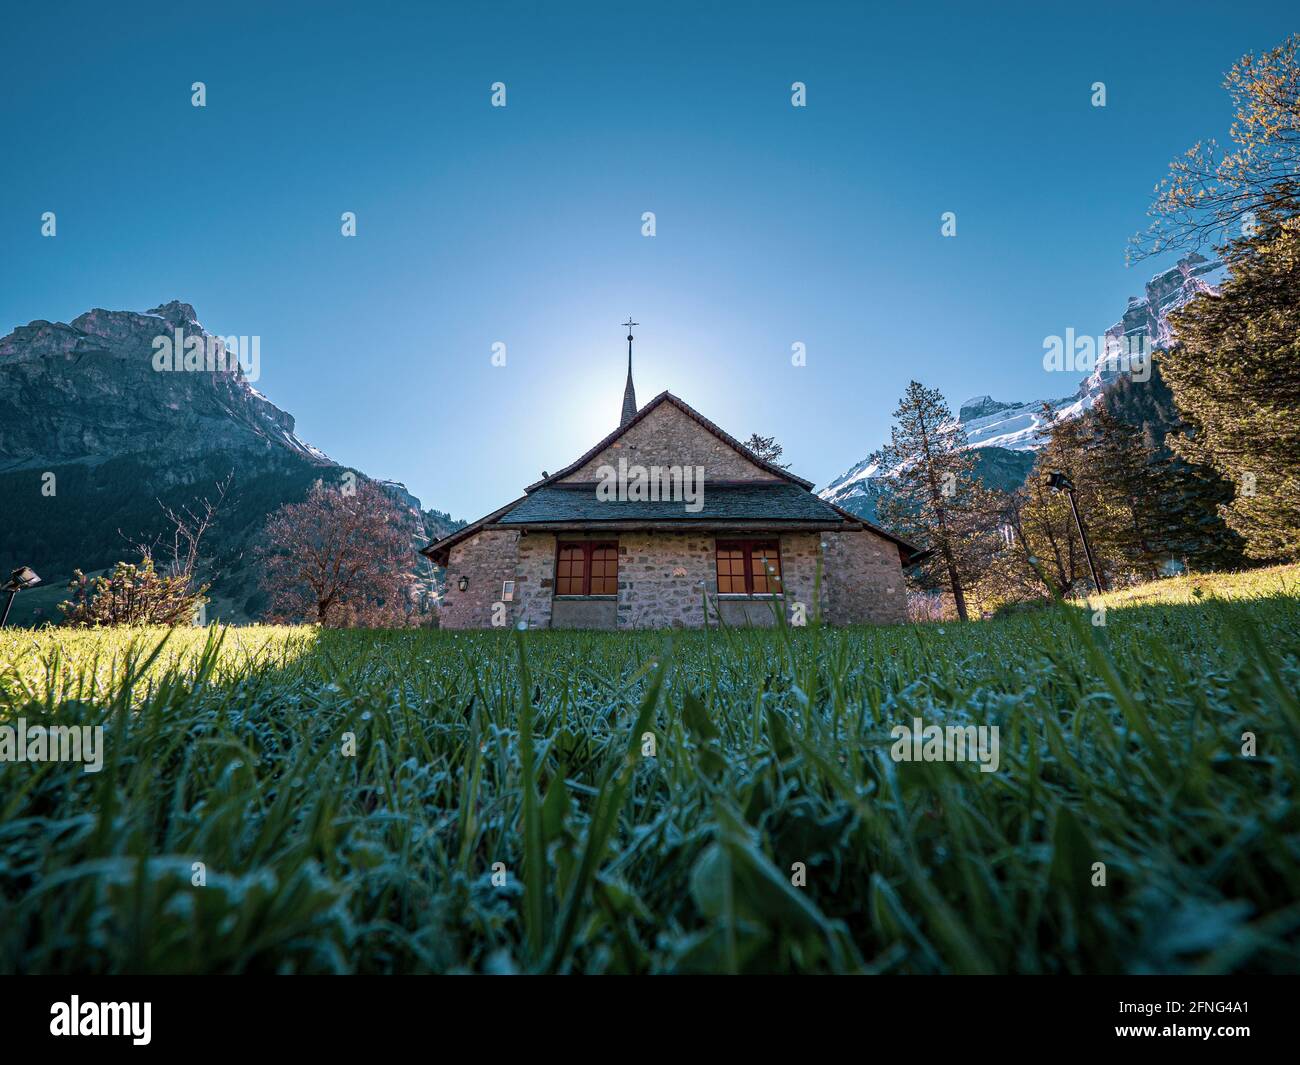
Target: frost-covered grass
[1120, 744]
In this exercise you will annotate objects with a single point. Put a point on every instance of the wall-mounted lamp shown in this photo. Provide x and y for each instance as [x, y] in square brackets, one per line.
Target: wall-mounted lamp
[463, 583]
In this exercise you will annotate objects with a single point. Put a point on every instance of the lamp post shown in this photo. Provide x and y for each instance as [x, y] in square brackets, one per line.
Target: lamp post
[20, 579]
[1059, 482]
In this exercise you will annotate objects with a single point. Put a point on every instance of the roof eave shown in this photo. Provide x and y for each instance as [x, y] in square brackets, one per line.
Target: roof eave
[674, 524]
[439, 550]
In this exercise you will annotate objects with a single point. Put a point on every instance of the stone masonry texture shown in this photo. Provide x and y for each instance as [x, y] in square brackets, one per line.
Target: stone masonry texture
[668, 437]
[663, 578]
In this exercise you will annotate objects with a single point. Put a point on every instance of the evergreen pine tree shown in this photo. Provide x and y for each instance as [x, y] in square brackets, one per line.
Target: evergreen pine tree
[1184, 497]
[932, 494]
[1236, 378]
[1235, 374]
[1123, 470]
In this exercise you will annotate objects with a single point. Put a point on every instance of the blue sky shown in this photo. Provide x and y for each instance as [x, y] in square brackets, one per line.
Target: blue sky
[522, 224]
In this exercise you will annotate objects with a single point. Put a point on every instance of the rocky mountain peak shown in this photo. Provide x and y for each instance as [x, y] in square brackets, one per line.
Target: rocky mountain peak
[176, 312]
[96, 388]
[981, 407]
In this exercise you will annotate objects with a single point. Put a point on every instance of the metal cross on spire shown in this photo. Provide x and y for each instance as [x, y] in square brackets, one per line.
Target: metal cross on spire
[629, 393]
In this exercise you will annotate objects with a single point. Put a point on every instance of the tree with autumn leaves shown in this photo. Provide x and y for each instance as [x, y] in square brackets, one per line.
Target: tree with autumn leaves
[1213, 194]
[342, 557]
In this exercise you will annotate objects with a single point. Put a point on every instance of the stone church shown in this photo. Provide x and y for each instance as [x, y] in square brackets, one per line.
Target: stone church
[669, 522]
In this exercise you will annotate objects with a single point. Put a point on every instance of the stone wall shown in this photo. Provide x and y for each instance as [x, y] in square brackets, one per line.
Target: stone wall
[662, 578]
[669, 437]
[862, 579]
[584, 612]
[799, 554]
[488, 559]
[535, 579]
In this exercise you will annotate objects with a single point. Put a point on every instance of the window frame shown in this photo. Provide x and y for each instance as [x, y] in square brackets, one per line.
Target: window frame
[588, 548]
[747, 548]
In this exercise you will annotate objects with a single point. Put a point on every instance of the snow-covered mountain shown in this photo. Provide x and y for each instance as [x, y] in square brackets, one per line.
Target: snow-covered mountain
[995, 426]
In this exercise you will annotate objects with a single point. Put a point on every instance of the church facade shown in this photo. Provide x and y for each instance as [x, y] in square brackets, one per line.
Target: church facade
[670, 522]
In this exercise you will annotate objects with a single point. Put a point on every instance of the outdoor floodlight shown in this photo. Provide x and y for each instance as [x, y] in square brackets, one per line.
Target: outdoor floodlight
[20, 579]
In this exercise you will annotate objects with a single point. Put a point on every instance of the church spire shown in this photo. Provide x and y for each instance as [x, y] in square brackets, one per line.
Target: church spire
[629, 392]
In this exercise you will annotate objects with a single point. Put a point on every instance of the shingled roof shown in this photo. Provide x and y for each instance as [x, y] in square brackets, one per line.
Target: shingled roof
[742, 502]
[784, 502]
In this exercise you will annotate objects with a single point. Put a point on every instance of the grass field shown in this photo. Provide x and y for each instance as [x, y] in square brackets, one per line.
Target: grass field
[1120, 744]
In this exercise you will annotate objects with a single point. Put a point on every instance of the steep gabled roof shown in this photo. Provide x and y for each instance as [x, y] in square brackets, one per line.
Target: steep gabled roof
[690, 412]
[747, 501]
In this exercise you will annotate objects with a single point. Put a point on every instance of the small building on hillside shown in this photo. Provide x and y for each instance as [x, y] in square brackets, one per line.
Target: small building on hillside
[669, 522]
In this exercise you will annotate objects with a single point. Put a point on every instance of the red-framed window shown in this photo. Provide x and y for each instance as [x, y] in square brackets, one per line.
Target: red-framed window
[586, 567]
[743, 567]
